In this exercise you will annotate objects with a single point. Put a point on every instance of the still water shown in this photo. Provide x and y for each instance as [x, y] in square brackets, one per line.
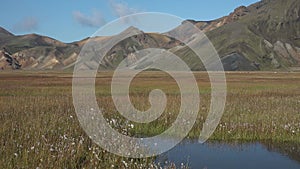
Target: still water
[216, 155]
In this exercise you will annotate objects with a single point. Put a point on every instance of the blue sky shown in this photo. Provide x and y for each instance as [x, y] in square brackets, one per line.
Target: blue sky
[72, 20]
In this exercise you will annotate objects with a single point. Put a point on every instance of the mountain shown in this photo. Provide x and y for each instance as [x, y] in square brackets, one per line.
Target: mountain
[267, 34]
[40, 52]
[262, 36]
[35, 51]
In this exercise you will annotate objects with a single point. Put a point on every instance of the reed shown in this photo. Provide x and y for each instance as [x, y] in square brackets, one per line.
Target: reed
[39, 128]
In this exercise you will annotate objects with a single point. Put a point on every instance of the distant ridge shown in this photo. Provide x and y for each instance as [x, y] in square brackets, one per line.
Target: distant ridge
[262, 36]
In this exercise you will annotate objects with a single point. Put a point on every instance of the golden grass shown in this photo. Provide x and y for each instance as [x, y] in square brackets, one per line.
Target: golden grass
[38, 125]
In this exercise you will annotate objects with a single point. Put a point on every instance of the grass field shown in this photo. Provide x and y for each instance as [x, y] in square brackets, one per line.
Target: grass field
[39, 128]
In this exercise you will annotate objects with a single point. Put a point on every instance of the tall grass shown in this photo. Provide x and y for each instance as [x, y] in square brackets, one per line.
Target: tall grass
[39, 128]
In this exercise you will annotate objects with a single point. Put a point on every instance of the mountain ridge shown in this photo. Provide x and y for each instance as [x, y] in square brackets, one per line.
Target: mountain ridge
[261, 36]
[263, 33]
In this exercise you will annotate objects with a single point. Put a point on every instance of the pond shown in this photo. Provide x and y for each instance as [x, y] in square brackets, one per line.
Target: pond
[217, 155]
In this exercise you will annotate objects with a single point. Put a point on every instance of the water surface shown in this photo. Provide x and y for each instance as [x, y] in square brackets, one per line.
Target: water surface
[216, 155]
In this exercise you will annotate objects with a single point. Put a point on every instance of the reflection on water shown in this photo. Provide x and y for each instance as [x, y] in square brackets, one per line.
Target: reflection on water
[292, 150]
[216, 155]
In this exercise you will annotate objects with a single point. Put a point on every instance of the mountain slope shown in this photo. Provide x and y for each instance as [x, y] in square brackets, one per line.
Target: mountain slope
[265, 33]
[34, 51]
[40, 52]
[262, 36]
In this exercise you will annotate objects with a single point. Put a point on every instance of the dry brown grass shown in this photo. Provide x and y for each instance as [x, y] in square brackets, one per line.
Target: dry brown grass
[38, 125]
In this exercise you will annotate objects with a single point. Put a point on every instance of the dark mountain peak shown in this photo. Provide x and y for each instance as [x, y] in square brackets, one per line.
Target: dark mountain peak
[260, 4]
[240, 11]
[132, 29]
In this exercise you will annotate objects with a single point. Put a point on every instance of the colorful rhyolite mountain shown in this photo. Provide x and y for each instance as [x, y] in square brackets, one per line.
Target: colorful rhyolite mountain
[262, 36]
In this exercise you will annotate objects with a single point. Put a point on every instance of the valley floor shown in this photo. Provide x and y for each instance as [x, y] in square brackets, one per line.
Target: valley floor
[39, 128]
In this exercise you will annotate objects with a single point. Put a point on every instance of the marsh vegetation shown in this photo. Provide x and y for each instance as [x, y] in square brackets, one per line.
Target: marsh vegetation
[39, 128]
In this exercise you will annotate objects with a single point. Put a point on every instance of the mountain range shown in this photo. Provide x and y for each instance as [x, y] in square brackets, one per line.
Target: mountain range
[262, 36]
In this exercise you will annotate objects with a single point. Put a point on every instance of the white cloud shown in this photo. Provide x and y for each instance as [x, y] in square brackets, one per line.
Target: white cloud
[26, 24]
[95, 20]
[121, 9]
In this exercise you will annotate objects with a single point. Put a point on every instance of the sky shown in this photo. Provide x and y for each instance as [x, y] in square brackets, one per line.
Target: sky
[73, 20]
